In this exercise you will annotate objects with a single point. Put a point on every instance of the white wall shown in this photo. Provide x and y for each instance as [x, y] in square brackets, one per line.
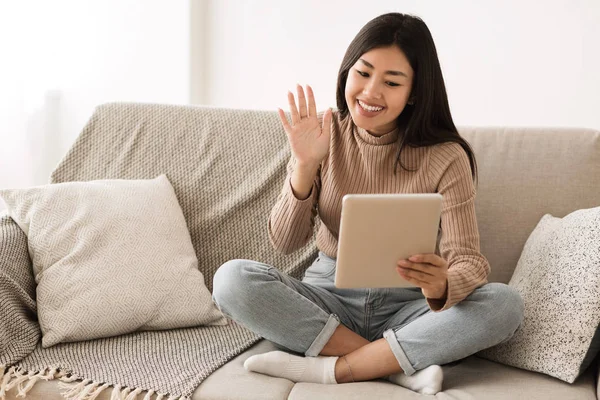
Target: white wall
[62, 58]
[515, 62]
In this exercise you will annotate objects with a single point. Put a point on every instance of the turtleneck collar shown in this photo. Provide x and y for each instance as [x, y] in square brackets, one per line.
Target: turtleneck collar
[385, 139]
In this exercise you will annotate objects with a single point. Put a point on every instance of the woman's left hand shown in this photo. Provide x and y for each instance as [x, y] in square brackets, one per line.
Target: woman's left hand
[427, 271]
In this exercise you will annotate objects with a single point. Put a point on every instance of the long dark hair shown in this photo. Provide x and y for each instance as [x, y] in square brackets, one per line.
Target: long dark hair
[428, 121]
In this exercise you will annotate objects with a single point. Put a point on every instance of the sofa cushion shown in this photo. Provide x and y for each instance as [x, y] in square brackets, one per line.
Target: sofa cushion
[473, 378]
[525, 173]
[110, 257]
[232, 381]
[557, 277]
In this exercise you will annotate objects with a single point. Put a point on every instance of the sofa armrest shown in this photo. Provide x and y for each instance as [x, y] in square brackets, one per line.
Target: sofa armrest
[19, 327]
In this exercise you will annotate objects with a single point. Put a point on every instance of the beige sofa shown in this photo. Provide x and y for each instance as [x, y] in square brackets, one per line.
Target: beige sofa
[523, 174]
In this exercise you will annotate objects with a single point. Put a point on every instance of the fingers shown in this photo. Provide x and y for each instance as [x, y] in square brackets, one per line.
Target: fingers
[302, 102]
[433, 259]
[428, 271]
[284, 121]
[413, 279]
[312, 107]
[306, 107]
[420, 270]
[293, 109]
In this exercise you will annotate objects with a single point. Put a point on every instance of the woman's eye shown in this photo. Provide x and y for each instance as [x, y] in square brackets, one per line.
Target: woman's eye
[366, 75]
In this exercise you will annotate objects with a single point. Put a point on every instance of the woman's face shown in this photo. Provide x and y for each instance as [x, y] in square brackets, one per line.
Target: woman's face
[377, 89]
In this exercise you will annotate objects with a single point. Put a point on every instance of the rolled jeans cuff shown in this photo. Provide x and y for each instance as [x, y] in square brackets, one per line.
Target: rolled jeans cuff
[323, 336]
[400, 355]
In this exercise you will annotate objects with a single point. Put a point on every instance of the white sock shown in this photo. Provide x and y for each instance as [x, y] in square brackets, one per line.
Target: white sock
[295, 368]
[425, 381]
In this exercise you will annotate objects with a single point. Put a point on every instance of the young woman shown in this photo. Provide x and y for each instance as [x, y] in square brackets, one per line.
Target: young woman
[392, 133]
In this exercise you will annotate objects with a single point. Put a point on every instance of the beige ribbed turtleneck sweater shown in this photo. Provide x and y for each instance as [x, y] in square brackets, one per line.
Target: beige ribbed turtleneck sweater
[359, 162]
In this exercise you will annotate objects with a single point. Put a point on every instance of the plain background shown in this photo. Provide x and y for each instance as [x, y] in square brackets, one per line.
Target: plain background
[505, 63]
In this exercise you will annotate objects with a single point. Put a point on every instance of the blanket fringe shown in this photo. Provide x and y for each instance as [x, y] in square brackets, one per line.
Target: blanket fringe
[148, 395]
[75, 392]
[85, 393]
[64, 377]
[125, 392]
[89, 390]
[33, 379]
[116, 393]
[98, 391]
[85, 390]
[11, 377]
[18, 376]
[7, 374]
[133, 395]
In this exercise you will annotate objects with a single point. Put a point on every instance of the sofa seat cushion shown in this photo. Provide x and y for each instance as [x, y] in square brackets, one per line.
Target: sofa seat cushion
[232, 381]
[472, 378]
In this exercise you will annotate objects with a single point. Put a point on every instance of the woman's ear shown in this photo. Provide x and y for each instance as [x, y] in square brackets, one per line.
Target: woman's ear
[411, 101]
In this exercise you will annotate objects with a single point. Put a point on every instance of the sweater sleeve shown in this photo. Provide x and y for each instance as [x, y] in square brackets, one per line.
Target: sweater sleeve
[292, 221]
[468, 269]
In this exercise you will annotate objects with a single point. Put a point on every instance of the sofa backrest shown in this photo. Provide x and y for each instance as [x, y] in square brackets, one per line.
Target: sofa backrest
[525, 173]
[227, 167]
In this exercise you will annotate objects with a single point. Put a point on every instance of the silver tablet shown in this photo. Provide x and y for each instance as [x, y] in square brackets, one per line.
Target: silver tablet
[377, 230]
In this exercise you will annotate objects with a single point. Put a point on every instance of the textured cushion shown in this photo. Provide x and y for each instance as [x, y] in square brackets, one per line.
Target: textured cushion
[110, 257]
[558, 278]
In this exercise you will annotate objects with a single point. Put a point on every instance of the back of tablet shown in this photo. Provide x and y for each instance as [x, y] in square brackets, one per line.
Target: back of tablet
[377, 230]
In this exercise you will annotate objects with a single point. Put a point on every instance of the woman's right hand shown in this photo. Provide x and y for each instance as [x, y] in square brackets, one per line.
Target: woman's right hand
[308, 140]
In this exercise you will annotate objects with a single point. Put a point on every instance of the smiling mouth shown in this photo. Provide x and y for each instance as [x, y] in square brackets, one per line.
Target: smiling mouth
[369, 108]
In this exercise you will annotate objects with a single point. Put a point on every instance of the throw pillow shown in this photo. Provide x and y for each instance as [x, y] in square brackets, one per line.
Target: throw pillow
[558, 276]
[110, 257]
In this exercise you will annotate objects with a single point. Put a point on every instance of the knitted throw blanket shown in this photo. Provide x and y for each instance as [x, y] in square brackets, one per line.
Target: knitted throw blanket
[170, 363]
[227, 168]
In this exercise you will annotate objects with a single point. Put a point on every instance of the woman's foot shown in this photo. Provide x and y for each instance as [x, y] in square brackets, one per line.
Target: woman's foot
[295, 368]
[322, 370]
[425, 381]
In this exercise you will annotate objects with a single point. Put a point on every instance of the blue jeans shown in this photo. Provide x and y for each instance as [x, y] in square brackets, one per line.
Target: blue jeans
[301, 316]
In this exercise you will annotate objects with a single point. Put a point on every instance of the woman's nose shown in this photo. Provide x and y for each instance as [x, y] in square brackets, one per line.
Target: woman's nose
[372, 90]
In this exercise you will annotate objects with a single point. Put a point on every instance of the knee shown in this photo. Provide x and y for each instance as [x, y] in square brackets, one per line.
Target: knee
[229, 276]
[233, 280]
[506, 306]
